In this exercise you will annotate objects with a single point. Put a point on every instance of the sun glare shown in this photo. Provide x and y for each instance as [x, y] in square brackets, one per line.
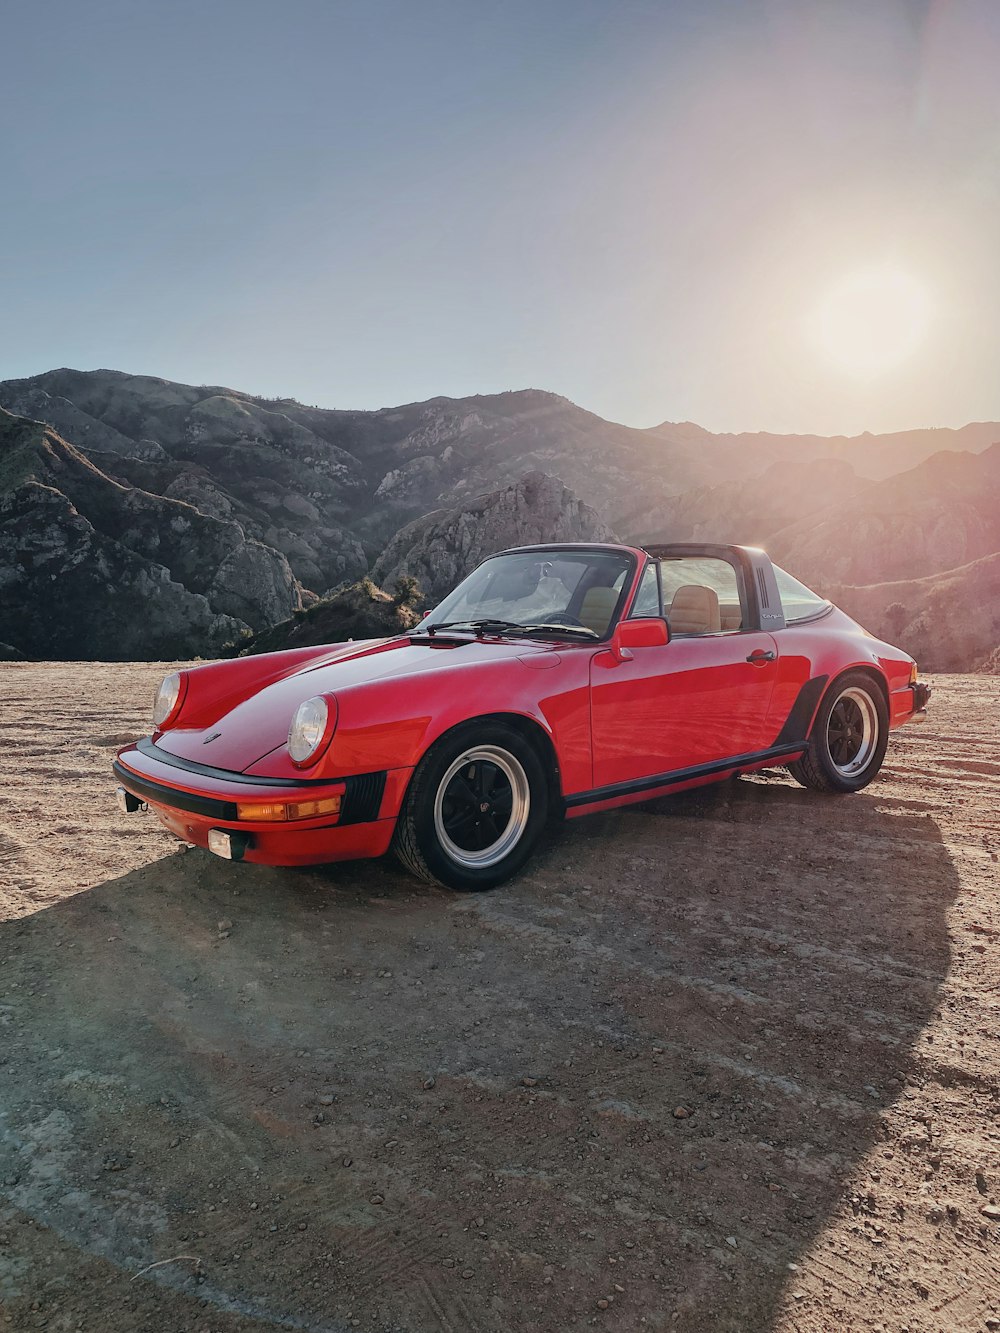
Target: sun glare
[872, 320]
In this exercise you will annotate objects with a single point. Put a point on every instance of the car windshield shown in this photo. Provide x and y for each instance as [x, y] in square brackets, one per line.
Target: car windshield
[573, 592]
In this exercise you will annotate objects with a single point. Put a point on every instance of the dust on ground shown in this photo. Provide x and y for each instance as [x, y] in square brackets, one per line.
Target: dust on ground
[728, 1061]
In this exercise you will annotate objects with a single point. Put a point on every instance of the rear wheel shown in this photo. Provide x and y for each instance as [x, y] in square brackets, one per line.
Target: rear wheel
[849, 737]
[475, 808]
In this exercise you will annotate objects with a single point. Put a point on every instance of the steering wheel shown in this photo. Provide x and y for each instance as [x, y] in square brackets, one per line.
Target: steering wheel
[556, 617]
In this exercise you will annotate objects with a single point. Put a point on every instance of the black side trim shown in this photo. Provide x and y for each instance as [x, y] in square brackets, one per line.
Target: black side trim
[800, 715]
[177, 800]
[151, 751]
[363, 798]
[776, 752]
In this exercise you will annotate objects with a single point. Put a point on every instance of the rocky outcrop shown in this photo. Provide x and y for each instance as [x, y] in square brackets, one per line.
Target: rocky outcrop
[354, 611]
[441, 548]
[93, 569]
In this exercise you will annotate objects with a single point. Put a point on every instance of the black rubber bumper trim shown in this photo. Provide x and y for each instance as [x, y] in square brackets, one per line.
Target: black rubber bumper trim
[775, 752]
[209, 806]
[362, 797]
[802, 712]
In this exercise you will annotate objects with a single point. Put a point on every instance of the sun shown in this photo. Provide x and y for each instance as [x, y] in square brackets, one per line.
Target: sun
[871, 320]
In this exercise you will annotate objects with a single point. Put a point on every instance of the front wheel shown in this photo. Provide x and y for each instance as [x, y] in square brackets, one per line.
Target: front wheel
[475, 808]
[849, 737]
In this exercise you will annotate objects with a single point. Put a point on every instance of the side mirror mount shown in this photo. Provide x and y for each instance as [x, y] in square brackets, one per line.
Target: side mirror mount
[647, 632]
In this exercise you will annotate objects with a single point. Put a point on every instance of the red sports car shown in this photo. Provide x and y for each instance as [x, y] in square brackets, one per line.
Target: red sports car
[555, 680]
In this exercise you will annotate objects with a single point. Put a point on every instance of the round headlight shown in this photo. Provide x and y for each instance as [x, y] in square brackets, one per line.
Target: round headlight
[166, 699]
[310, 730]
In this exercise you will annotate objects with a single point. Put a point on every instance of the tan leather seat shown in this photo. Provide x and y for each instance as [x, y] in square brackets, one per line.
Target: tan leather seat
[597, 608]
[694, 609]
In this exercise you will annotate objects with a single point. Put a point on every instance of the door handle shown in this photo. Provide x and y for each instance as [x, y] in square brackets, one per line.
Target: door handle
[761, 655]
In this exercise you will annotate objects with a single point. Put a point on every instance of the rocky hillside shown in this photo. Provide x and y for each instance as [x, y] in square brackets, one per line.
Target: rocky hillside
[330, 488]
[872, 456]
[93, 569]
[949, 621]
[746, 510]
[913, 557]
[441, 548]
[937, 516]
[217, 511]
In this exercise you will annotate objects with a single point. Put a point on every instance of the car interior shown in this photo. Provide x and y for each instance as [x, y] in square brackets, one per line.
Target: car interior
[700, 595]
[597, 608]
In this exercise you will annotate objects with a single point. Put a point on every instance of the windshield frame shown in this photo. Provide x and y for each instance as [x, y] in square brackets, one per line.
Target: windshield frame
[628, 553]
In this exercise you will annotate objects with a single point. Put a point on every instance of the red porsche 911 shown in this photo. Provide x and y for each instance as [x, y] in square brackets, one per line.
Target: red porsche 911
[555, 680]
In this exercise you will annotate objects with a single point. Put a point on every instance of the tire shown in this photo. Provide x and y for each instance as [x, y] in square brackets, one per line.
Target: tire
[444, 835]
[848, 739]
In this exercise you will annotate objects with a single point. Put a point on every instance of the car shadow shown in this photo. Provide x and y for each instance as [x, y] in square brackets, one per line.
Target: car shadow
[636, 1084]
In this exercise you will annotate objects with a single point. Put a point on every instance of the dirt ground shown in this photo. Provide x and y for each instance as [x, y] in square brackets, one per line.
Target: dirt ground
[725, 1062]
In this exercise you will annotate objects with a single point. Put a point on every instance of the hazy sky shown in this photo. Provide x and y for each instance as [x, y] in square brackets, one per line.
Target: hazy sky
[656, 209]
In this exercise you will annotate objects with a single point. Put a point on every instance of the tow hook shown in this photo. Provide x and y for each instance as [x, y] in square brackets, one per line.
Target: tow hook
[127, 803]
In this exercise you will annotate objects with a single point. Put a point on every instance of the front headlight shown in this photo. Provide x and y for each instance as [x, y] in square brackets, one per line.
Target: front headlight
[167, 700]
[311, 729]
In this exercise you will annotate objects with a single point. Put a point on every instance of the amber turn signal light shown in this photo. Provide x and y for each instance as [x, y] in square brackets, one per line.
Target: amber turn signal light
[329, 805]
[271, 811]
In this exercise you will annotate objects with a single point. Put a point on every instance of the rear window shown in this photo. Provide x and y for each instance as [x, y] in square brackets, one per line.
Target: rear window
[797, 601]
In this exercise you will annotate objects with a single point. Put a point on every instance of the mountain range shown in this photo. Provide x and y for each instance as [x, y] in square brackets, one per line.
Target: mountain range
[220, 513]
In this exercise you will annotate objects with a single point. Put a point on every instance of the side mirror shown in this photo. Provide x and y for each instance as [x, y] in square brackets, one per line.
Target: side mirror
[649, 632]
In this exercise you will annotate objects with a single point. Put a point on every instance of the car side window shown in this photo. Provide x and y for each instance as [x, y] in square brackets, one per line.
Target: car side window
[797, 601]
[701, 595]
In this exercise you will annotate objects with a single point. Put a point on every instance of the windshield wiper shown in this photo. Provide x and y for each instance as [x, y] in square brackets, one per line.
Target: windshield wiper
[477, 626]
[547, 628]
[510, 627]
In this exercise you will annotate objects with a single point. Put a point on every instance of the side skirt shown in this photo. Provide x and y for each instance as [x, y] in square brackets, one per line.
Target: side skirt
[643, 789]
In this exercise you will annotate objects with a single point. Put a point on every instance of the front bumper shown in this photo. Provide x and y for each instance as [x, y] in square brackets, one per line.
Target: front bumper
[206, 804]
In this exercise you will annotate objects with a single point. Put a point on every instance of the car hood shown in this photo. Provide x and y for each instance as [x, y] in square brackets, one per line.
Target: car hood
[243, 736]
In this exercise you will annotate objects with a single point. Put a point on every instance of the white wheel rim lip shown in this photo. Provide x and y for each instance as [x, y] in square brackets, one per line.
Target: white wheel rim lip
[869, 736]
[520, 807]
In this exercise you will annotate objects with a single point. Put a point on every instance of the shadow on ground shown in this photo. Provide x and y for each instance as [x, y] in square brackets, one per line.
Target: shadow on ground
[641, 1075]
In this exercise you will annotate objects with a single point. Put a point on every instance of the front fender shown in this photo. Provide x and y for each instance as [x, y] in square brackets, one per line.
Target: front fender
[391, 723]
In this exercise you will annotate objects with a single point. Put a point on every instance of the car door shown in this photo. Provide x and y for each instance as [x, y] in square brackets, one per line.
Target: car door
[702, 697]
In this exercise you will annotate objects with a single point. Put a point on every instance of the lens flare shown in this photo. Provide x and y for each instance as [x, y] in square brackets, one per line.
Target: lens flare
[871, 321]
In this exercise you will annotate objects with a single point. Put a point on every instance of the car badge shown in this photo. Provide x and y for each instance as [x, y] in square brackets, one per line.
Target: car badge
[214, 737]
